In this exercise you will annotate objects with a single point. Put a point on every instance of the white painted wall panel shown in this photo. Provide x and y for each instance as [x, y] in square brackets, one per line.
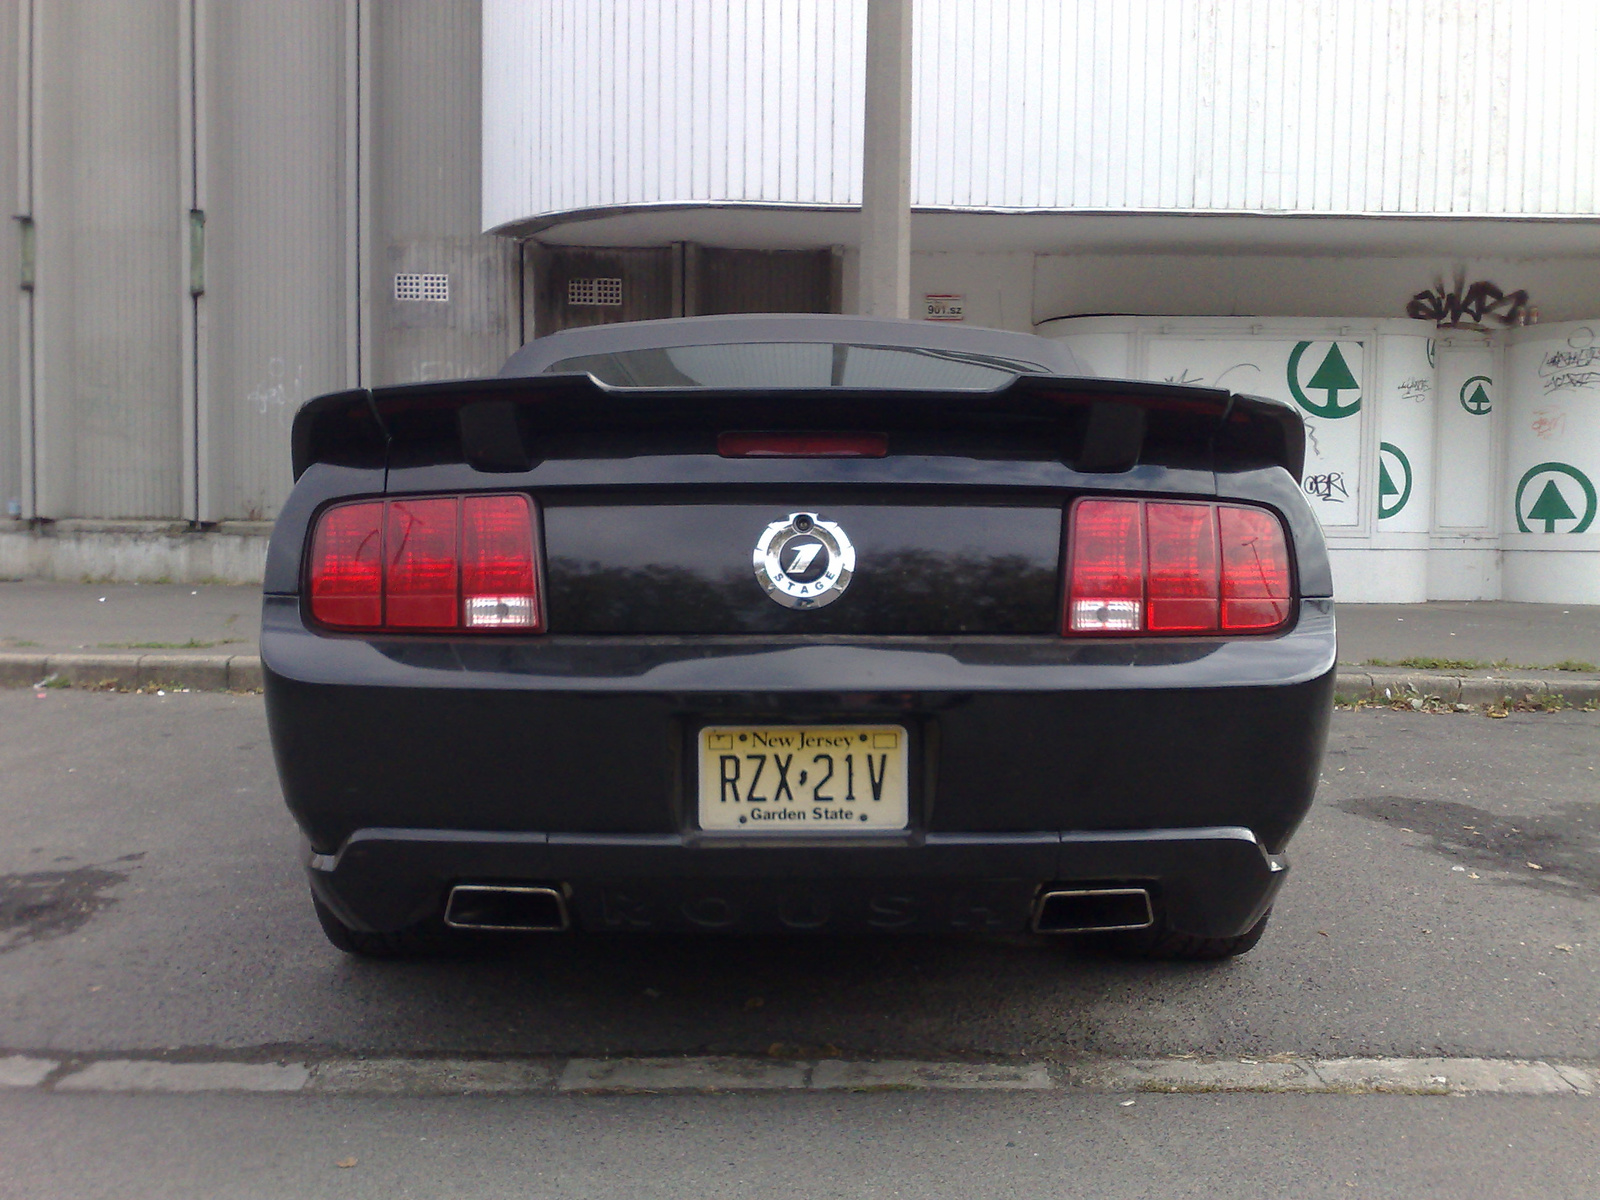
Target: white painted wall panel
[1406, 406]
[1553, 441]
[1307, 106]
[1552, 476]
[1467, 476]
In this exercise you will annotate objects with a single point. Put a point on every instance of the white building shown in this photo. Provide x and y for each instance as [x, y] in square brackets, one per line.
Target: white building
[1248, 193]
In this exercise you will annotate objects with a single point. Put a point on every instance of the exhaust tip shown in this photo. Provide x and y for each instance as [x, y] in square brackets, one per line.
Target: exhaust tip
[1093, 910]
[491, 908]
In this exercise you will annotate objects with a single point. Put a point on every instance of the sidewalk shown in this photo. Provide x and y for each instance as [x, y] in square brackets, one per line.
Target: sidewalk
[132, 635]
[1470, 652]
[129, 635]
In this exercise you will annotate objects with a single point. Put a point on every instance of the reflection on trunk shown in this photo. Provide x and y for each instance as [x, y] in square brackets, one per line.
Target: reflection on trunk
[907, 591]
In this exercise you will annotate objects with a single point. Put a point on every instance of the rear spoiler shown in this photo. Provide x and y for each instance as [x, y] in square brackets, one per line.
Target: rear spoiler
[1096, 426]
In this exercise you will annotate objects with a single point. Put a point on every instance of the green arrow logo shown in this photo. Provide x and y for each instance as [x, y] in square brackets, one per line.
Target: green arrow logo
[1550, 507]
[1386, 485]
[1477, 402]
[1330, 378]
[1551, 504]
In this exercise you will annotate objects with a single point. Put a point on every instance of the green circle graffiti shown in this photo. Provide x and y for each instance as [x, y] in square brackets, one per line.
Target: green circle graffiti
[1476, 400]
[1386, 485]
[1331, 377]
[1550, 505]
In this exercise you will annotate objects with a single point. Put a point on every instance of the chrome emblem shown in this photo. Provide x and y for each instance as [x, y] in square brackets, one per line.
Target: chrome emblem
[804, 561]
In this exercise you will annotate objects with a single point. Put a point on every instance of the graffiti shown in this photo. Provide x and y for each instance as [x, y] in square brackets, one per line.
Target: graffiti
[1311, 439]
[1549, 422]
[1328, 488]
[1221, 375]
[431, 370]
[1572, 379]
[1555, 361]
[1576, 366]
[1466, 305]
[1186, 376]
[275, 394]
[1416, 388]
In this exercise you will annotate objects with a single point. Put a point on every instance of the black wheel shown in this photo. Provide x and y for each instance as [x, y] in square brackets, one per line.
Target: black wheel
[427, 938]
[1169, 946]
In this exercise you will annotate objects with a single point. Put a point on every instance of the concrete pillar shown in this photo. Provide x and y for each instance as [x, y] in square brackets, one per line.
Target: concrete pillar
[886, 163]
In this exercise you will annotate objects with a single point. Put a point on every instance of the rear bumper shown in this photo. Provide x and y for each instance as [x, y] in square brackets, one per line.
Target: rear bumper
[415, 763]
[1206, 882]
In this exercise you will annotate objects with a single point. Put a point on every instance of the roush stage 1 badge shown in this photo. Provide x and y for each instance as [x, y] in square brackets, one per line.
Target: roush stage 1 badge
[804, 561]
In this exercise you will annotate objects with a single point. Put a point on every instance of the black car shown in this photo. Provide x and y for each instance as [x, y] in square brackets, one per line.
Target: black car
[797, 623]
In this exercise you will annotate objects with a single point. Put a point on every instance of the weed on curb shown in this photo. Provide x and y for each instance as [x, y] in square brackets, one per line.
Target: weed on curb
[1429, 663]
[1541, 703]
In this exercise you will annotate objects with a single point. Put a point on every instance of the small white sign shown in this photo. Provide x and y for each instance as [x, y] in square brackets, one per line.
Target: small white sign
[945, 308]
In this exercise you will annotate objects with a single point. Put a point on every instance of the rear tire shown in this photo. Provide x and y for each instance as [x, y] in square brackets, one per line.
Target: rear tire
[1166, 945]
[411, 942]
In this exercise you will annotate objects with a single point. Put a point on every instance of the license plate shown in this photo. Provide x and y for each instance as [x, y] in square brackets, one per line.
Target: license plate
[810, 778]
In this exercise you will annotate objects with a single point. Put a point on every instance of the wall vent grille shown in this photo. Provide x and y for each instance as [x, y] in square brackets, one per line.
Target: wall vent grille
[411, 286]
[592, 293]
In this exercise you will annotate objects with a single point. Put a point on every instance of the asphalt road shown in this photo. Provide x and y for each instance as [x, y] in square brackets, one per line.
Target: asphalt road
[152, 898]
[1443, 902]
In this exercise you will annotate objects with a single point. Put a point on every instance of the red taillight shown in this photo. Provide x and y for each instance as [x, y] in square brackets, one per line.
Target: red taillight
[427, 563]
[420, 564]
[1182, 577]
[346, 566]
[1106, 592]
[1156, 567]
[802, 445]
[497, 589]
[1255, 569]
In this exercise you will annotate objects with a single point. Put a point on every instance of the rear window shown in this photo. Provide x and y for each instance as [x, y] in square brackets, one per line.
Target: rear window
[798, 365]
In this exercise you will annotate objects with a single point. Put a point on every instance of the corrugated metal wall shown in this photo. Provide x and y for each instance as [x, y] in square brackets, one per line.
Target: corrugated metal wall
[427, 169]
[223, 191]
[603, 104]
[1335, 106]
[12, 14]
[1316, 106]
[275, 319]
[107, 300]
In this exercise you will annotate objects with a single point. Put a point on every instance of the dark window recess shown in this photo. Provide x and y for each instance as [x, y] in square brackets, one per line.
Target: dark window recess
[576, 286]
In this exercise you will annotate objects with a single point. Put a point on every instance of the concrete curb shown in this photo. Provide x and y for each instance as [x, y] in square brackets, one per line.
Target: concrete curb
[1462, 689]
[633, 1076]
[126, 672]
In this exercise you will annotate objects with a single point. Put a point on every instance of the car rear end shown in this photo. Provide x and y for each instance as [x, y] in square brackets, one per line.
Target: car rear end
[524, 668]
